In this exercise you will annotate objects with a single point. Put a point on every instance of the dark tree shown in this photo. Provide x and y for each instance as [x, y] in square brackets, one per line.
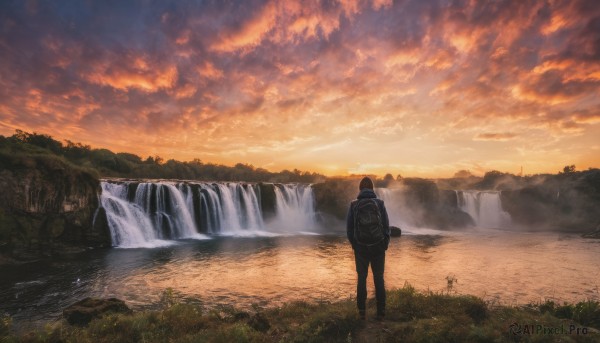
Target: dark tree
[569, 169]
[123, 164]
[463, 174]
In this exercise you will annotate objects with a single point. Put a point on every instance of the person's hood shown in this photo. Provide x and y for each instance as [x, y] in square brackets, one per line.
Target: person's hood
[366, 193]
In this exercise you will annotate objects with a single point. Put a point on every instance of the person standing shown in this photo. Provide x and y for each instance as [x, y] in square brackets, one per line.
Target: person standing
[368, 230]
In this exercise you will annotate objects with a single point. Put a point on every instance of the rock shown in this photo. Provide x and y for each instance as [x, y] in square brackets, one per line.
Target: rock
[334, 196]
[421, 192]
[395, 231]
[267, 199]
[131, 190]
[448, 198]
[56, 226]
[99, 234]
[592, 234]
[47, 207]
[563, 202]
[82, 312]
[446, 217]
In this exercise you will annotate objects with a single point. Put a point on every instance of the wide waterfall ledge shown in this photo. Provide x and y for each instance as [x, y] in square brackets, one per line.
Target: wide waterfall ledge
[146, 214]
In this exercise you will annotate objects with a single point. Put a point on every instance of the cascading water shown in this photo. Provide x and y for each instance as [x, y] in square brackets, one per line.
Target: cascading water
[394, 204]
[485, 207]
[172, 218]
[148, 214]
[148, 217]
[239, 208]
[294, 208]
[127, 222]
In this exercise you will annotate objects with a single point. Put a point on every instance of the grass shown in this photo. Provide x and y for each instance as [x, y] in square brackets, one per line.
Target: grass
[411, 317]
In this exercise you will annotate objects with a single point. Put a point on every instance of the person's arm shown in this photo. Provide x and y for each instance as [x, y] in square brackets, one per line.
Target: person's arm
[350, 226]
[385, 220]
[386, 225]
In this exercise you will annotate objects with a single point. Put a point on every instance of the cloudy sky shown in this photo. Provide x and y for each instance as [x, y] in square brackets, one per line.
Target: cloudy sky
[420, 88]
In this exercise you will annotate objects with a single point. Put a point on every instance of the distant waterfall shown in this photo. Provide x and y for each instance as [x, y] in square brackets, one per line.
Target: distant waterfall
[484, 207]
[147, 214]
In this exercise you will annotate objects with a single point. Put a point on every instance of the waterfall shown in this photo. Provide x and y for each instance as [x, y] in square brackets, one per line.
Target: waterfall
[149, 214]
[128, 223]
[484, 207]
[239, 209]
[294, 208]
[395, 207]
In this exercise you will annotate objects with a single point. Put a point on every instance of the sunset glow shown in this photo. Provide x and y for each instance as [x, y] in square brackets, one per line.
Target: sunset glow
[418, 88]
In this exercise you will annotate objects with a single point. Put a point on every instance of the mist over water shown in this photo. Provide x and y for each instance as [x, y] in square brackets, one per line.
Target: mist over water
[398, 212]
[484, 208]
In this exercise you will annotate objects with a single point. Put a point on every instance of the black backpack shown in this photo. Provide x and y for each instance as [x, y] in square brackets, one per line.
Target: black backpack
[368, 226]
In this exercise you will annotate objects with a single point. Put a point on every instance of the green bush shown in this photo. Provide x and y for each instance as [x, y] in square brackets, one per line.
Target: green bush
[587, 313]
[411, 317]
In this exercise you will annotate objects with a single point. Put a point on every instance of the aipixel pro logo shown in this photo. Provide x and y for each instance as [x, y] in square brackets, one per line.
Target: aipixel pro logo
[517, 329]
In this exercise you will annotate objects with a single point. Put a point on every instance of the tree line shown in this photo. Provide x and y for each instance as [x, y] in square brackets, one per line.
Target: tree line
[127, 165]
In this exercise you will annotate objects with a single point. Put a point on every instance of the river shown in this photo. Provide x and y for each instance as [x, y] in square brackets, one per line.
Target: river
[502, 267]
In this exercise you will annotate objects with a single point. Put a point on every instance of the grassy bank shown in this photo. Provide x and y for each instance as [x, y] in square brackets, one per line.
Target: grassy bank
[412, 317]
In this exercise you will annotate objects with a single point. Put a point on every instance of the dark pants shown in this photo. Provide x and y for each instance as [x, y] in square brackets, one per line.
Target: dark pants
[375, 257]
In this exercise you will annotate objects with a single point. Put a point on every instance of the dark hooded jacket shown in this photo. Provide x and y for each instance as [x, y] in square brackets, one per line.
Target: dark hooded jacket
[368, 193]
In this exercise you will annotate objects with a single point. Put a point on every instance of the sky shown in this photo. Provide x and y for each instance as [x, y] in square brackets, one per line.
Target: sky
[417, 88]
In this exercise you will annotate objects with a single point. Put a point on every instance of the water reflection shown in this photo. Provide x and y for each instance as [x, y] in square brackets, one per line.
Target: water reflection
[422, 246]
[508, 267]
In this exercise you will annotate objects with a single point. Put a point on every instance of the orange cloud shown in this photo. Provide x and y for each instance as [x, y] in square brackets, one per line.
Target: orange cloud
[494, 136]
[134, 73]
[303, 21]
[208, 70]
[250, 34]
[571, 70]
[408, 87]
[185, 91]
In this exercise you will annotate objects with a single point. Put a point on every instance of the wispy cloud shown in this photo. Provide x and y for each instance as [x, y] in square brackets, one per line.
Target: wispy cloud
[429, 85]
